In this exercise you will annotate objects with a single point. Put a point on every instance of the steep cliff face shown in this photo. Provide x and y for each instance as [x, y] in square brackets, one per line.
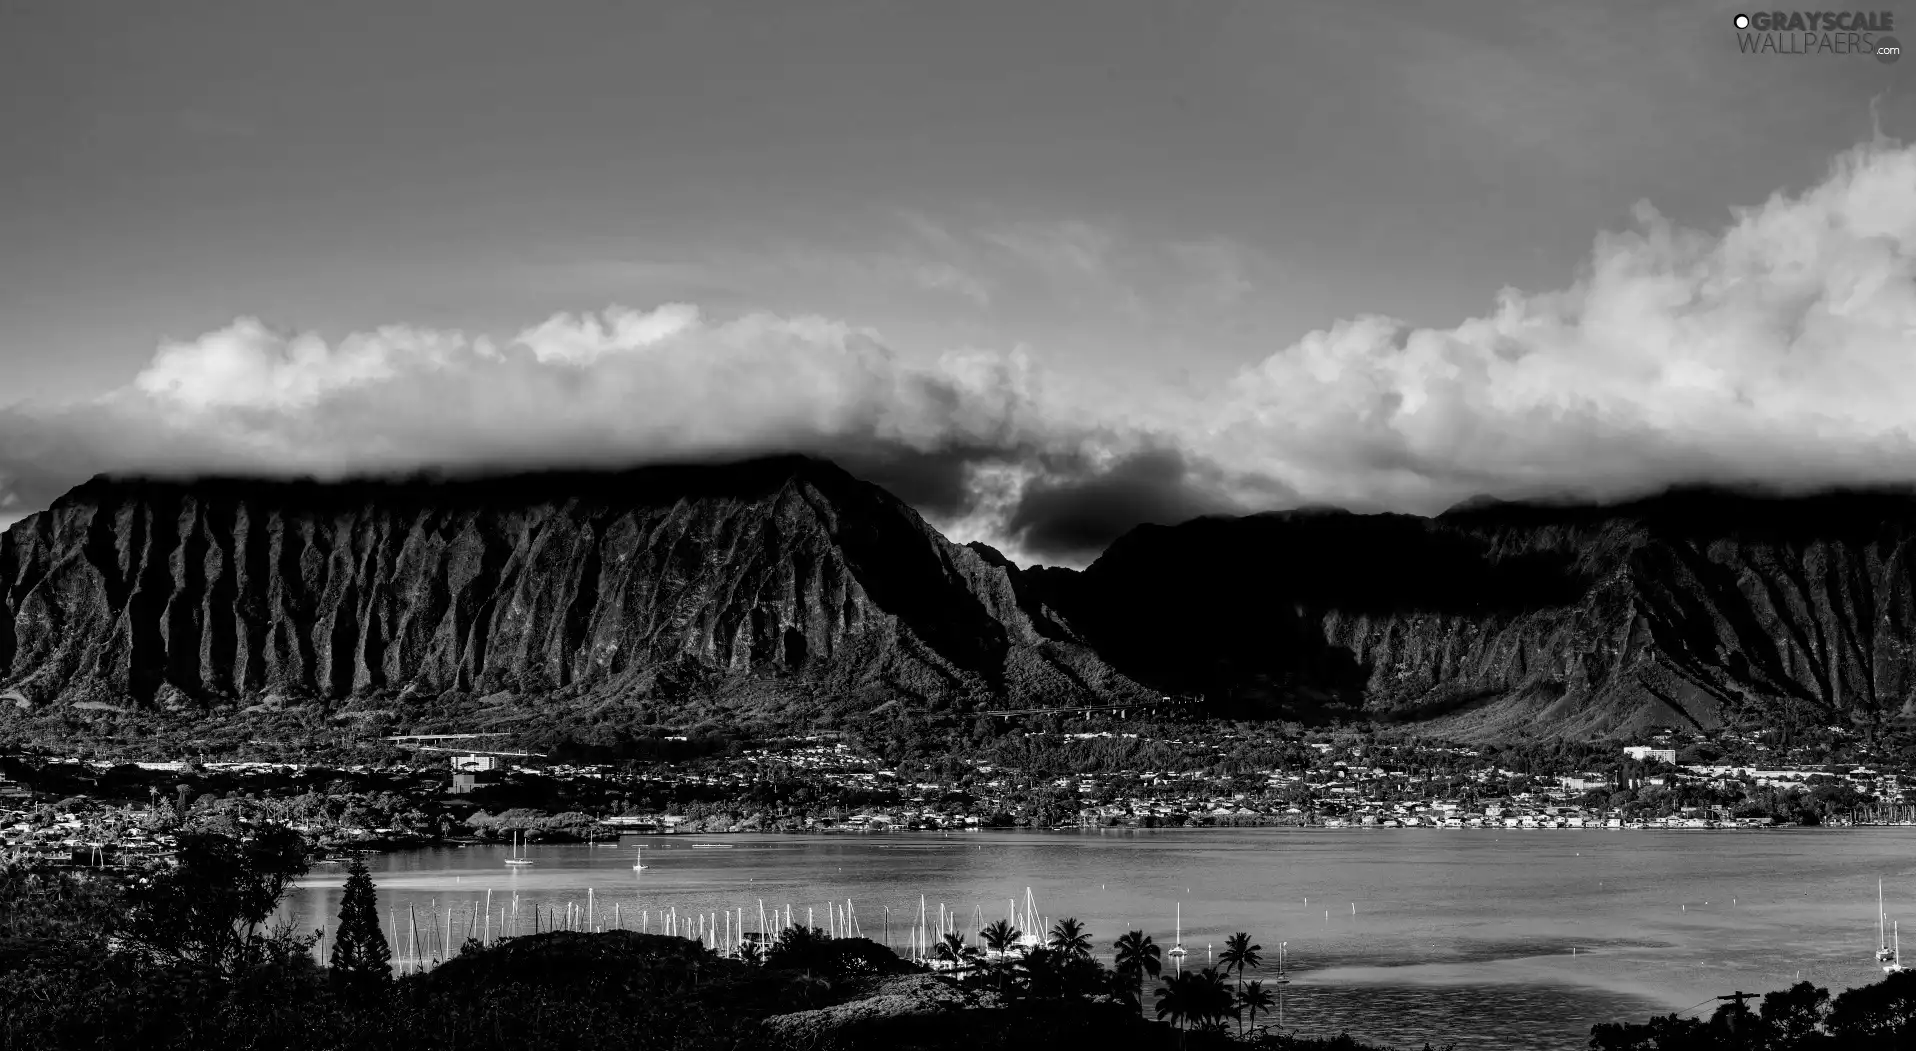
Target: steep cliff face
[788, 585]
[783, 582]
[1690, 608]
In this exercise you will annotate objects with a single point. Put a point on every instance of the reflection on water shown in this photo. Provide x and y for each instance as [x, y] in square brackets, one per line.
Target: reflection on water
[1490, 939]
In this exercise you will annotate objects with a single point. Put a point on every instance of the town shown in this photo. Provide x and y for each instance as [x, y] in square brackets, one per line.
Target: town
[103, 811]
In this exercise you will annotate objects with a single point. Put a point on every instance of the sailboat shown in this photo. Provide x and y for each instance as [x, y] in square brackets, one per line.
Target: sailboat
[1883, 954]
[1895, 963]
[1282, 977]
[518, 851]
[1177, 942]
[1033, 935]
[638, 860]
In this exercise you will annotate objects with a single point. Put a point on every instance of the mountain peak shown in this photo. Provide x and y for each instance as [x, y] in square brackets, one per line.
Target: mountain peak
[767, 583]
[784, 586]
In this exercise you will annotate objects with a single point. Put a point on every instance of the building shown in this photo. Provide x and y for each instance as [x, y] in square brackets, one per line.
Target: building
[471, 771]
[1647, 753]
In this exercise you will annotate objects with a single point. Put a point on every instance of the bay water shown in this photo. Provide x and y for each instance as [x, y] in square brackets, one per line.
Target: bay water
[1493, 939]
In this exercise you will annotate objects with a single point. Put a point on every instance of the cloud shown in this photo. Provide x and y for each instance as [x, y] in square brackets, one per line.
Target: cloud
[1076, 513]
[615, 387]
[1779, 349]
[1071, 249]
[588, 387]
[586, 338]
[246, 366]
[944, 277]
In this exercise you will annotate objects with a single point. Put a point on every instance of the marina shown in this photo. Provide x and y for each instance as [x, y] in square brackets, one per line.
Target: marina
[1554, 933]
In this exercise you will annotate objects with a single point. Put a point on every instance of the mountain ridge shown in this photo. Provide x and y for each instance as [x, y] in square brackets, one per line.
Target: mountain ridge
[785, 585]
[537, 584]
[1692, 607]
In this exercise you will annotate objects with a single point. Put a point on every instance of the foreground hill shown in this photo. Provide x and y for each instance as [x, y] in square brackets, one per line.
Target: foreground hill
[774, 582]
[786, 586]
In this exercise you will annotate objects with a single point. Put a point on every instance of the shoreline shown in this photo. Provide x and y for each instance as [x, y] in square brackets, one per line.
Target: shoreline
[332, 854]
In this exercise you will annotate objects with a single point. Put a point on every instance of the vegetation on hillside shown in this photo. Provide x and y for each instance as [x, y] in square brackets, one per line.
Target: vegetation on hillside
[1804, 1017]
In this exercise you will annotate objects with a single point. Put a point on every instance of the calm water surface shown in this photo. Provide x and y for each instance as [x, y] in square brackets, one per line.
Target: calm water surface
[1488, 939]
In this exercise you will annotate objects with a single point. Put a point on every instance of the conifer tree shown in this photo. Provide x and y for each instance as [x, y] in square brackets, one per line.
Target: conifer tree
[360, 953]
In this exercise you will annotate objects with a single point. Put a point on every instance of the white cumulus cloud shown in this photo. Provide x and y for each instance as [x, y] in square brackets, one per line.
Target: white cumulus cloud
[584, 339]
[1780, 349]
[1777, 348]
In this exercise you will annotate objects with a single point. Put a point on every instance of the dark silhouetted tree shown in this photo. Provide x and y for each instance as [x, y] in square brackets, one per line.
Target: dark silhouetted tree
[1254, 1000]
[1069, 938]
[207, 910]
[1138, 957]
[361, 956]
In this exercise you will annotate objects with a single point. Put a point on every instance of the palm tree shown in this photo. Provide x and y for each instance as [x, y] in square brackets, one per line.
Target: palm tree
[1174, 1002]
[1069, 938]
[1210, 998]
[1238, 955]
[1000, 935]
[1137, 958]
[1253, 1000]
[952, 947]
[1043, 972]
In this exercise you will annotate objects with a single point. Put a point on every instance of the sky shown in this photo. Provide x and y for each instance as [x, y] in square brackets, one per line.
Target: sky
[1045, 270]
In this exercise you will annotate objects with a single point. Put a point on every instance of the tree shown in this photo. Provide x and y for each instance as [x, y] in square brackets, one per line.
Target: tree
[1195, 999]
[798, 949]
[1137, 958]
[1239, 953]
[808, 949]
[361, 956]
[1000, 935]
[206, 911]
[1069, 938]
[1254, 1000]
[1795, 1015]
[1175, 1003]
[1043, 972]
[1210, 998]
[1880, 1015]
[952, 947]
